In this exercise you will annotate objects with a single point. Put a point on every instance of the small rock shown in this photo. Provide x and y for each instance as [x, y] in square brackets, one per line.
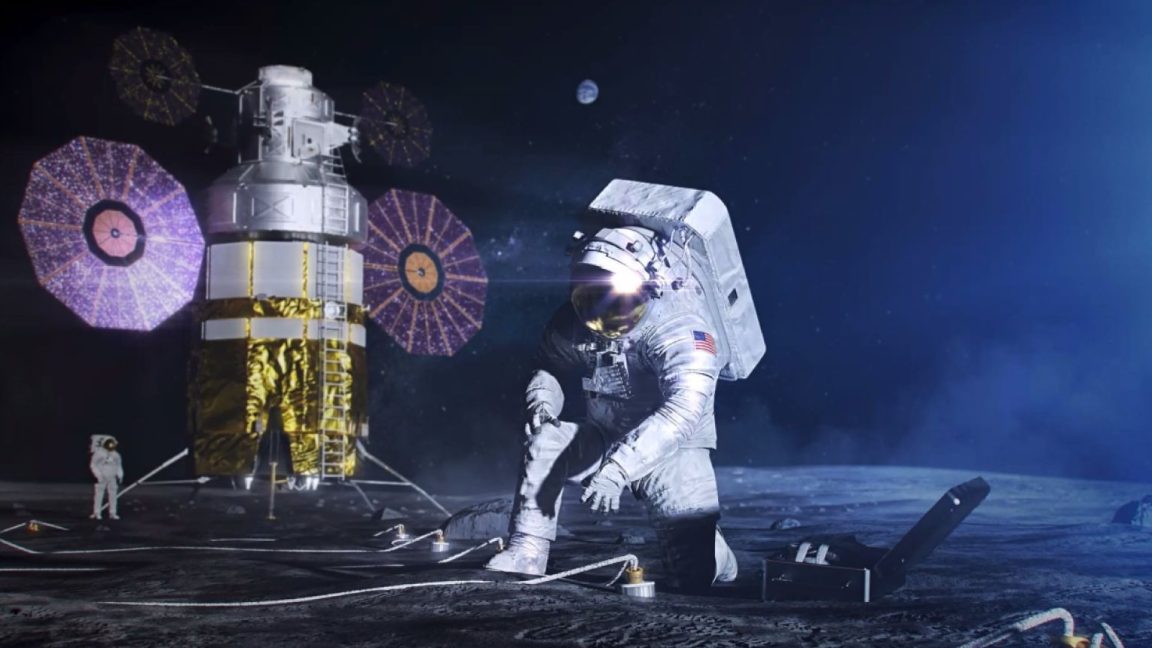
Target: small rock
[481, 521]
[17, 506]
[785, 523]
[235, 509]
[1138, 514]
[633, 537]
[604, 523]
[320, 503]
[388, 514]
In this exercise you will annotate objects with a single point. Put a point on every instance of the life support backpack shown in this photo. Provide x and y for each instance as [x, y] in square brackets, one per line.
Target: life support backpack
[697, 222]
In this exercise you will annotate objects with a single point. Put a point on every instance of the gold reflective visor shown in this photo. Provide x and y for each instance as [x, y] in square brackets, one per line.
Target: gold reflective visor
[606, 312]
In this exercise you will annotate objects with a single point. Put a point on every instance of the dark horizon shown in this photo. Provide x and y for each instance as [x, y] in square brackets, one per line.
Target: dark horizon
[942, 208]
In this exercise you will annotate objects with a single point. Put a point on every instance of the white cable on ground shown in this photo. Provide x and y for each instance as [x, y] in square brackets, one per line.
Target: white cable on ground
[410, 542]
[388, 530]
[23, 525]
[499, 544]
[367, 455]
[48, 524]
[242, 540]
[1039, 619]
[50, 569]
[177, 482]
[292, 601]
[1098, 638]
[73, 552]
[628, 560]
[18, 547]
[1025, 624]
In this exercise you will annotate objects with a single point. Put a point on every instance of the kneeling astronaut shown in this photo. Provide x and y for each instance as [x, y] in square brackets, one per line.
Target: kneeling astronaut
[659, 311]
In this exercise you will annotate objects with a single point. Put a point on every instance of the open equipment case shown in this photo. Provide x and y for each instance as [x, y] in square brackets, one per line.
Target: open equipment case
[839, 568]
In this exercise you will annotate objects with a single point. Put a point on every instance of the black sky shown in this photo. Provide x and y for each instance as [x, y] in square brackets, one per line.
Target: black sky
[943, 208]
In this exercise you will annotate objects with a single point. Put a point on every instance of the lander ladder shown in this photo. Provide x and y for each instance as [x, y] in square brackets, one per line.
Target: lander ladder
[335, 393]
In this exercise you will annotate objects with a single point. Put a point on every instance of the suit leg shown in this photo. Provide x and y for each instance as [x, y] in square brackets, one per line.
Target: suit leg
[113, 492]
[97, 499]
[552, 455]
[684, 507]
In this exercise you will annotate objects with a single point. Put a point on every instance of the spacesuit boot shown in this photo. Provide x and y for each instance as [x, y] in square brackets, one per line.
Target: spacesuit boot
[525, 554]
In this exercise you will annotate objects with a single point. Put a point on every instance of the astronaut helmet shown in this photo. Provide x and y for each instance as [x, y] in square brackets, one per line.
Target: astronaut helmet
[615, 277]
[104, 441]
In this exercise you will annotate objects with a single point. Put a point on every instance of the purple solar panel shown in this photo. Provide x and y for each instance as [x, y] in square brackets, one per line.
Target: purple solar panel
[395, 125]
[423, 279]
[111, 234]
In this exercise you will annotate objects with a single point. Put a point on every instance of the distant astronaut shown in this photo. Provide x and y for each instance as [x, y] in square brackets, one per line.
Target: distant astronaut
[642, 342]
[109, 472]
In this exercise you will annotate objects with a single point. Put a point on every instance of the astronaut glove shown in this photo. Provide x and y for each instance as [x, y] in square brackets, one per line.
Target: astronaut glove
[539, 416]
[604, 488]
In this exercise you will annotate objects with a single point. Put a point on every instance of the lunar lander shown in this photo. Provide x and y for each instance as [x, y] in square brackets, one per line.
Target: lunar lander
[295, 260]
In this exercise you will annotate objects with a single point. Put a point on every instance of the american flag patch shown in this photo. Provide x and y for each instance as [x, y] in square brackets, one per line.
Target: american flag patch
[704, 341]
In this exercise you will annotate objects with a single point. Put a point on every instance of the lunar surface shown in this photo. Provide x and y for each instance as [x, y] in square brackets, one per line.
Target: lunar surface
[1034, 544]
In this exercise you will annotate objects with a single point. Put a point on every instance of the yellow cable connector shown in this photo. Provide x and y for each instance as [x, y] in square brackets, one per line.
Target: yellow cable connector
[635, 575]
[439, 544]
[1071, 641]
[636, 586]
[33, 526]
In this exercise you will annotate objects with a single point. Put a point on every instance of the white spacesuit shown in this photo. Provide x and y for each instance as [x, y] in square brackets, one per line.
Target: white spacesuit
[638, 334]
[108, 471]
